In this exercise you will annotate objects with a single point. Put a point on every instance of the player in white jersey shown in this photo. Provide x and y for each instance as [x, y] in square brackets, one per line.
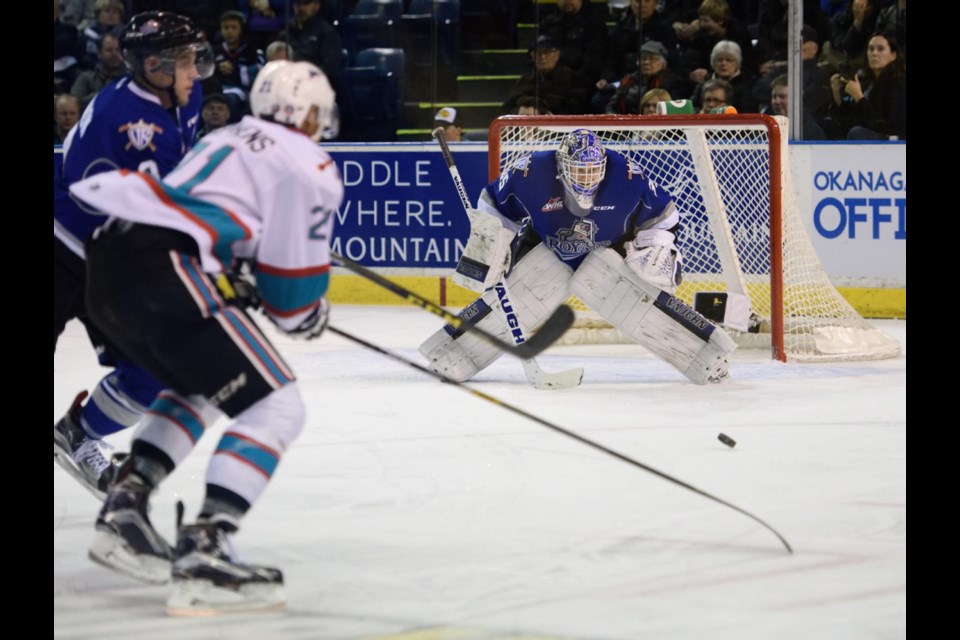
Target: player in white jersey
[160, 275]
[590, 224]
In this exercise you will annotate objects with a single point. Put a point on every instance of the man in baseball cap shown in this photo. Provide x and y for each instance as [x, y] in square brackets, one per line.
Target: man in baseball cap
[448, 119]
[545, 42]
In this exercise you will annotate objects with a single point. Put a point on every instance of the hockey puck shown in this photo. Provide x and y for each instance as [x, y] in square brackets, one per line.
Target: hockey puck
[727, 440]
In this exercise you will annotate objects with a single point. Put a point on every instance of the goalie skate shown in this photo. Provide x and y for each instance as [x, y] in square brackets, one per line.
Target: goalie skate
[91, 462]
[208, 582]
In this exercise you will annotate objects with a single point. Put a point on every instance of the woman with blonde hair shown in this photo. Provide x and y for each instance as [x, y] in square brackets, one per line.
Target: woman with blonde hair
[648, 103]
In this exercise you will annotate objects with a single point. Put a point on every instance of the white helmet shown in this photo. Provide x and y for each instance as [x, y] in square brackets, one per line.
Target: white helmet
[285, 92]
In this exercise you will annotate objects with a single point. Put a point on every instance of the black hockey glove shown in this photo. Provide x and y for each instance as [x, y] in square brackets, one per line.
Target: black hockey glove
[313, 325]
[238, 290]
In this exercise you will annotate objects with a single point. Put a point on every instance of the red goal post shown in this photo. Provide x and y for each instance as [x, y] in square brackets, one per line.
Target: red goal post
[741, 228]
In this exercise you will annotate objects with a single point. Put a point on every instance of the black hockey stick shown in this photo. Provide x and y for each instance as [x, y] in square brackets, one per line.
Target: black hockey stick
[531, 368]
[551, 330]
[452, 166]
[550, 425]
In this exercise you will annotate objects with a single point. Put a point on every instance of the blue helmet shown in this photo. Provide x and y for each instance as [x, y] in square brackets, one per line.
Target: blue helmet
[582, 162]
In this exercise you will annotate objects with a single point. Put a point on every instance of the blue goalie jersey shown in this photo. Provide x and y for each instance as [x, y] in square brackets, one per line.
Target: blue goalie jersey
[124, 127]
[625, 202]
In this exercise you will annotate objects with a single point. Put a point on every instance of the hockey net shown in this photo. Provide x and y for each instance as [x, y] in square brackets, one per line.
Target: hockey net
[741, 229]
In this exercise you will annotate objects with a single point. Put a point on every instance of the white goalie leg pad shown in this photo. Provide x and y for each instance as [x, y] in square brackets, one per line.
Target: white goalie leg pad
[538, 284]
[487, 254]
[458, 354]
[656, 319]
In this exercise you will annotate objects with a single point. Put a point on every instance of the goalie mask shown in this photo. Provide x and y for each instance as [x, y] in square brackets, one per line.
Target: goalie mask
[582, 163]
[286, 92]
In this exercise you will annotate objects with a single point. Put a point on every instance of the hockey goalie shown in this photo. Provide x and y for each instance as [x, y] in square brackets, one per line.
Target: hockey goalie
[579, 220]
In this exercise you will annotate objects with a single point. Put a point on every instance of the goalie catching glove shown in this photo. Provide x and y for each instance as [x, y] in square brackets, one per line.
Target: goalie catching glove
[653, 255]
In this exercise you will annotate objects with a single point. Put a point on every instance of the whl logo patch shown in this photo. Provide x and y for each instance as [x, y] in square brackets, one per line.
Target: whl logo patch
[553, 204]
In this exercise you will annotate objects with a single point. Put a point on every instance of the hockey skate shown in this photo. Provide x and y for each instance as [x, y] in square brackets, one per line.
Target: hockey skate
[91, 462]
[208, 580]
[125, 540]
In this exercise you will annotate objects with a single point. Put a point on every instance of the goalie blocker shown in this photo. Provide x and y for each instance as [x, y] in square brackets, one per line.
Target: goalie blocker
[539, 282]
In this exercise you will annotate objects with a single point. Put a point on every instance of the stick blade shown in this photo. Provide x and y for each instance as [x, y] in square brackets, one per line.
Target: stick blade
[550, 331]
[541, 379]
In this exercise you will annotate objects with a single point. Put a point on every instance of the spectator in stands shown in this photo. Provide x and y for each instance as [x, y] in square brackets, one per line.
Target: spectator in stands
[852, 27]
[108, 19]
[726, 60]
[773, 29]
[265, 19]
[642, 23]
[527, 106]
[79, 13]
[214, 114]
[873, 101]
[684, 18]
[648, 103]
[716, 24]
[447, 119]
[279, 50]
[893, 19]
[66, 53]
[831, 8]
[580, 31]
[110, 67]
[555, 86]
[654, 73]
[816, 79]
[204, 13]
[716, 93]
[237, 63]
[314, 39]
[779, 99]
[66, 112]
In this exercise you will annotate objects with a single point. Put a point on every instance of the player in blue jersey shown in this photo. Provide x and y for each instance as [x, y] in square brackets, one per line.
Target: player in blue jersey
[144, 121]
[580, 220]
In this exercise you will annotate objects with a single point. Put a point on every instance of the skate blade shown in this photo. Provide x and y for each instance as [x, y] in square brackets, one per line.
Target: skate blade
[66, 463]
[110, 550]
[202, 599]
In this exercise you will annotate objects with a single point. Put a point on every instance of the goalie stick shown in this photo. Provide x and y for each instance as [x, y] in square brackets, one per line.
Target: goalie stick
[558, 429]
[536, 376]
[550, 331]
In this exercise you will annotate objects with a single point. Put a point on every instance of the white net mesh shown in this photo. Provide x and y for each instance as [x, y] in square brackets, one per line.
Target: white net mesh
[741, 229]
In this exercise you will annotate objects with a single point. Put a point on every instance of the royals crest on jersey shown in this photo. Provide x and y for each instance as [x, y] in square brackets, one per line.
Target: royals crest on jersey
[575, 241]
[140, 134]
